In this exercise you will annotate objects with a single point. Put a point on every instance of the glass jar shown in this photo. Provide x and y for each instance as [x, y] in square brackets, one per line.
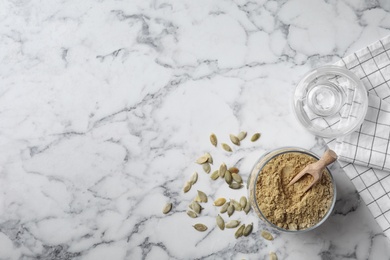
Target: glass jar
[252, 186]
[330, 101]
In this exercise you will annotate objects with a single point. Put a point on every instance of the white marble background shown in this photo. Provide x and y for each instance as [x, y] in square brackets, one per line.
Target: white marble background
[105, 105]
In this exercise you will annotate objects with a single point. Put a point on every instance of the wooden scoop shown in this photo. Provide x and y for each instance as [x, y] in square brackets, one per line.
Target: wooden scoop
[316, 169]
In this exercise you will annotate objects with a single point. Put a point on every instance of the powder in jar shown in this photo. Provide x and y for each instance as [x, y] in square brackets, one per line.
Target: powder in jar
[289, 207]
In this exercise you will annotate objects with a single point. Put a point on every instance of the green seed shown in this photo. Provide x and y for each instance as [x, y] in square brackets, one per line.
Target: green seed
[241, 136]
[234, 139]
[235, 185]
[210, 159]
[228, 177]
[222, 170]
[196, 207]
[267, 235]
[202, 196]
[230, 209]
[220, 222]
[236, 177]
[206, 167]
[167, 208]
[200, 227]
[237, 206]
[255, 137]
[233, 170]
[191, 214]
[203, 159]
[232, 224]
[194, 178]
[273, 256]
[239, 231]
[187, 186]
[226, 147]
[247, 208]
[214, 175]
[213, 139]
[219, 202]
[224, 207]
[248, 230]
[243, 202]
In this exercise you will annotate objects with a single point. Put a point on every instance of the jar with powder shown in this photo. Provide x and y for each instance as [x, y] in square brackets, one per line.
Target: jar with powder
[288, 208]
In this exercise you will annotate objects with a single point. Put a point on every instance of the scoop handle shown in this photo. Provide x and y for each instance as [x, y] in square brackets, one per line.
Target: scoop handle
[327, 158]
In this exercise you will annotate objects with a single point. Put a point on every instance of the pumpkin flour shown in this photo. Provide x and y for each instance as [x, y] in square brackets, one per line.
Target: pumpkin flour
[288, 207]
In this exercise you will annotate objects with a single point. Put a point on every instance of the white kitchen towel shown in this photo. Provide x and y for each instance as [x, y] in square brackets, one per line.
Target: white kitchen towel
[365, 154]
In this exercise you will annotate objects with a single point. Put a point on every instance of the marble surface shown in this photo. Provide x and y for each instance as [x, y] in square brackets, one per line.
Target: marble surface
[105, 105]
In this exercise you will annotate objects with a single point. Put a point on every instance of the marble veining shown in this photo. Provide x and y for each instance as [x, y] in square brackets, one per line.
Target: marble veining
[105, 105]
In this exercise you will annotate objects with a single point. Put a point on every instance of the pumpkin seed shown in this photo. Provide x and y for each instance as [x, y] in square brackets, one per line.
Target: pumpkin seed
[234, 139]
[239, 231]
[202, 196]
[197, 199]
[194, 178]
[226, 147]
[248, 230]
[220, 222]
[228, 177]
[247, 207]
[224, 207]
[187, 186]
[230, 209]
[200, 227]
[191, 214]
[232, 224]
[237, 206]
[196, 207]
[203, 159]
[210, 158]
[222, 170]
[243, 202]
[213, 139]
[234, 170]
[237, 177]
[167, 208]
[241, 136]
[255, 137]
[267, 235]
[219, 202]
[235, 185]
[273, 256]
[214, 175]
[206, 167]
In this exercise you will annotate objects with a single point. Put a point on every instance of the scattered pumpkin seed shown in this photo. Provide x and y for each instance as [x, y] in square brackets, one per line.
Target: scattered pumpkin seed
[213, 139]
[243, 202]
[234, 170]
[224, 207]
[197, 199]
[203, 159]
[222, 170]
[237, 177]
[235, 185]
[226, 147]
[200, 227]
[214, 175]
[236, 204]
[230, 209]
[255, 137]
[219, 202]
[228, 177]
[248, 230]
[232, 224]
[220, 222]
[187, 186]
[234, 139]
[241, 136]
[206, 167]
[202, 196]
[239, 231]
[192, 214]
[196, 207]
[210, 158]
[194, 178]
[167, 208]
[247, 208]
[267, 235]
[273, 256]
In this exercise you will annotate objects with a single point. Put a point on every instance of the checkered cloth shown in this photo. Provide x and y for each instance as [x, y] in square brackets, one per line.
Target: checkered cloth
[365, 154]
